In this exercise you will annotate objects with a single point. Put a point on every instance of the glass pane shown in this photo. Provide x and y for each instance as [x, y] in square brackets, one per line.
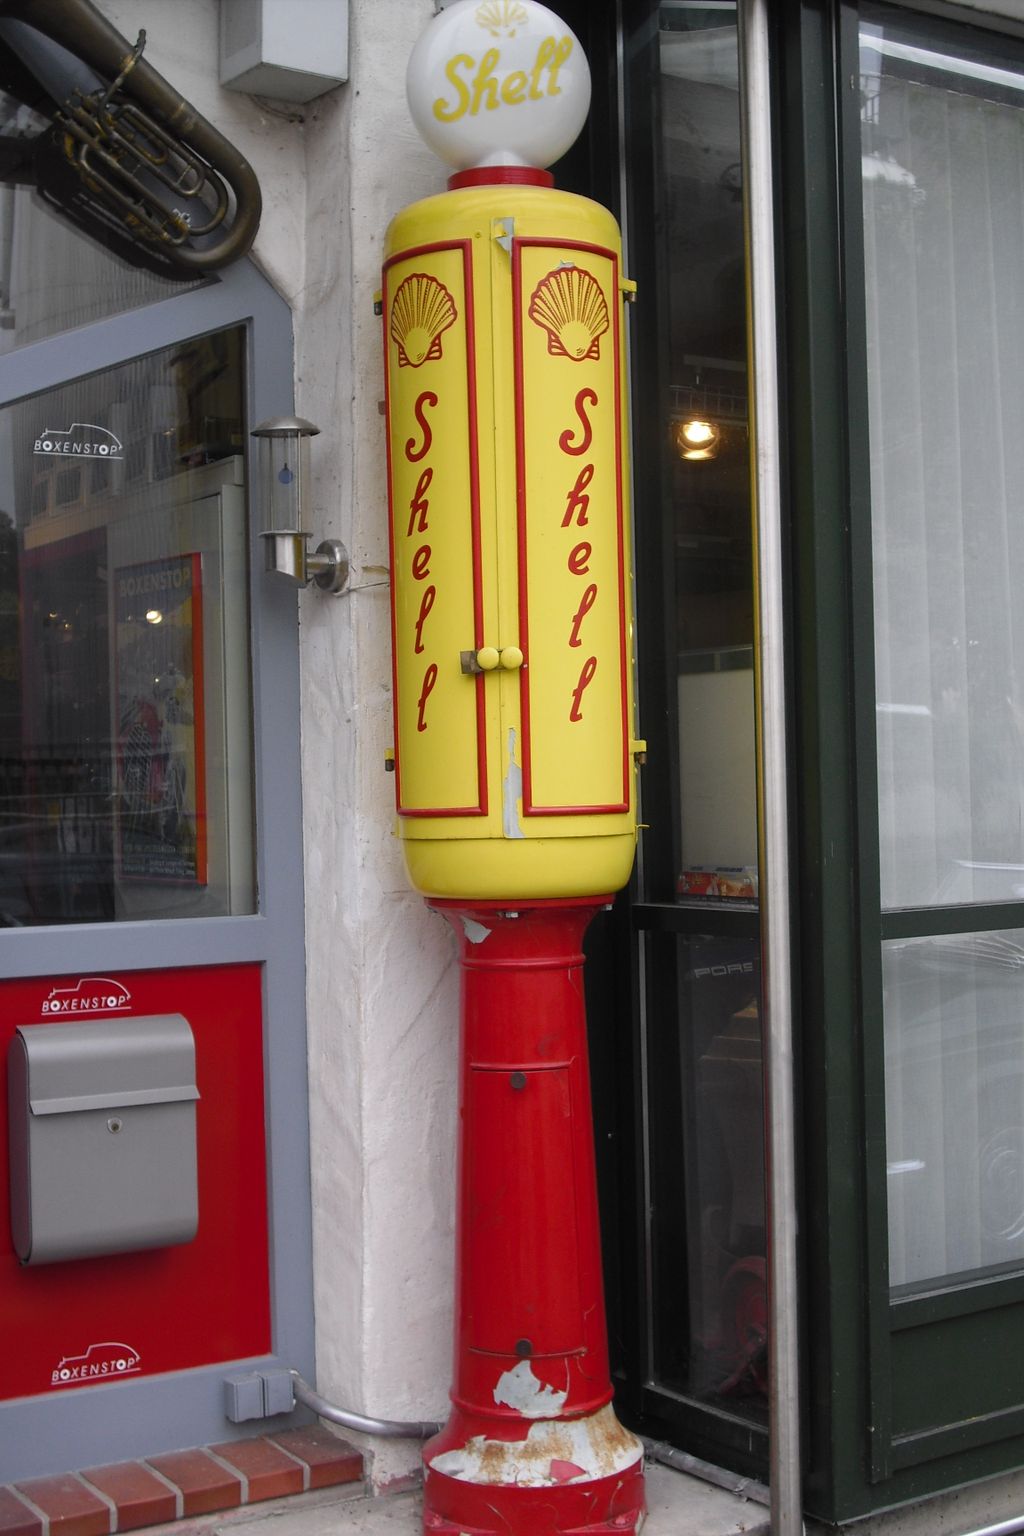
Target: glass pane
[125, 714]
[942, 158]
[943, 194]
[706, 448]
[707, 1172]
[708, 1337]
[52, 276]
[954, 1042]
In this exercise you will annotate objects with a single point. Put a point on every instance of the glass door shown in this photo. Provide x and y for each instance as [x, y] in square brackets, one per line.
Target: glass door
[901, 162]
[696, 1368]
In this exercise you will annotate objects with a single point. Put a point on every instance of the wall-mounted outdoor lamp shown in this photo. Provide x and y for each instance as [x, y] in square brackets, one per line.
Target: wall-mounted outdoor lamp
[282, 467]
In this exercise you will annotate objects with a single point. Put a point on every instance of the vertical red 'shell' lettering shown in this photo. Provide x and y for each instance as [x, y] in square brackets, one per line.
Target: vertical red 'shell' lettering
[429, 679]
[417, 446]
[587, 602]
[412, 453]
[586, 678]
[565, 442]
[426, 603]
[577, 504]
[420, 506]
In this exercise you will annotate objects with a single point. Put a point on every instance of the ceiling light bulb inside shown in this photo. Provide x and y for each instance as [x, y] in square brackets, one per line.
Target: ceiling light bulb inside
[699, 433]
[697, 438]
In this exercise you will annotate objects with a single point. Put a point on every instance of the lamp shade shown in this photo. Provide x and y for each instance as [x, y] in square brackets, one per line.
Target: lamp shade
[283, 471]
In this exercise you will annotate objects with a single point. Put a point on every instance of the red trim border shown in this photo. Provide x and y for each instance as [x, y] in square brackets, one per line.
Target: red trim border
[529, 807]
[466, 247]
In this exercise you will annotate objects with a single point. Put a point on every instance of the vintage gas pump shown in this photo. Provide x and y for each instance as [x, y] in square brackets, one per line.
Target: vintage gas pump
[515, 758]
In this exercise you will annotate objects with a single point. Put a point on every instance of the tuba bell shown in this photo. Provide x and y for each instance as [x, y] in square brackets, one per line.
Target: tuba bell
[125, 157]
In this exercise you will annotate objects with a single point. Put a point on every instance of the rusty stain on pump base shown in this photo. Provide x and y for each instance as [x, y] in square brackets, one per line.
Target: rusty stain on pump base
[555, 1452]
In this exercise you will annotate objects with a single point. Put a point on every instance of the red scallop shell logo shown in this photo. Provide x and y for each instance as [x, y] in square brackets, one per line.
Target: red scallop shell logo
[570, 306]
[422, 311]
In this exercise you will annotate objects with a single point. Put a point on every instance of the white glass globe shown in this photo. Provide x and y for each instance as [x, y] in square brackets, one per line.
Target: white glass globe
[498, 82]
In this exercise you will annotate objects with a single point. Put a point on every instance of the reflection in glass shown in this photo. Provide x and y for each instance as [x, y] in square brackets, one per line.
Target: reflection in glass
[709, 1314]
[125, 730]
[708, 1172]
[954, 1104]
[52, 276]
[706, 447]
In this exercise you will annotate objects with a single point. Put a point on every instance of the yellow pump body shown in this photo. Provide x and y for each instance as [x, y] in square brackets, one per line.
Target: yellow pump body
[515, 756]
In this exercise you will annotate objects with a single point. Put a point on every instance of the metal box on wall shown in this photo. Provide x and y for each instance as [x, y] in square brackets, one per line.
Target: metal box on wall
[102, 1137]
[293, 50]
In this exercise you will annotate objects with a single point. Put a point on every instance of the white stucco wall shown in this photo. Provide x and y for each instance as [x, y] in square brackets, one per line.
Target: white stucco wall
[382, 988]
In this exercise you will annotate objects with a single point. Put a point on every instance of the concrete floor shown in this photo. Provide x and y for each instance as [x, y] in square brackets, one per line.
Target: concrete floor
[678, 1506]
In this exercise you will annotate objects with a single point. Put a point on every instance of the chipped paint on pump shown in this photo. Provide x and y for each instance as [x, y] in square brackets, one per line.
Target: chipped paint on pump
[475, 932]
[523, 1390]
[556, 1452]
[512, 791]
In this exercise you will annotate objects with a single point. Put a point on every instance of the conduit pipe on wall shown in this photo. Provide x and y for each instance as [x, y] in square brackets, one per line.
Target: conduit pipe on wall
[387, 1429]
[773, 817]
[693, 1466]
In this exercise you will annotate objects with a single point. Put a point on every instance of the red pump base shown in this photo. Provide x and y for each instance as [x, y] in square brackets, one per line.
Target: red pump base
[607, 1505]
[532, 1447]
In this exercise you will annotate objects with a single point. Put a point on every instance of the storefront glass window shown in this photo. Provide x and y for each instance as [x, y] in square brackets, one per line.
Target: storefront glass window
[707, 448]
[954, 1104]
[704, 1065]
[125, 699]
[52, 276]
[711, 1317]
[943, 196]
[944, 231]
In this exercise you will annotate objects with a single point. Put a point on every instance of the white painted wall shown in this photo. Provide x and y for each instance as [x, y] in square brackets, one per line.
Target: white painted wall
[382, 985]
[182, 43]
[383, 1155]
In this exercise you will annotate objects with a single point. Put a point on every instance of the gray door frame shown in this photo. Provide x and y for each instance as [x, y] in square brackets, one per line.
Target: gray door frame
[57, 1432]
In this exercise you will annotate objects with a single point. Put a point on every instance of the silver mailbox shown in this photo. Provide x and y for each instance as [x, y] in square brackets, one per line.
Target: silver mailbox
[102, 1137]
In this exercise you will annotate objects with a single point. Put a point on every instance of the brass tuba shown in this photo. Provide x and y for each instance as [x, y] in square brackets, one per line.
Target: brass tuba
[127, 158]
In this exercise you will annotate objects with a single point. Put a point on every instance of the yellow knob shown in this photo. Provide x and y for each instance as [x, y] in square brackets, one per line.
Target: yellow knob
[511, 658]
[487, 658]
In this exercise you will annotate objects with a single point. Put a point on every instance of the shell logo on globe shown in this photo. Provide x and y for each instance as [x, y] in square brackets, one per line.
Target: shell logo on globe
[503, 82]
[501, 17]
